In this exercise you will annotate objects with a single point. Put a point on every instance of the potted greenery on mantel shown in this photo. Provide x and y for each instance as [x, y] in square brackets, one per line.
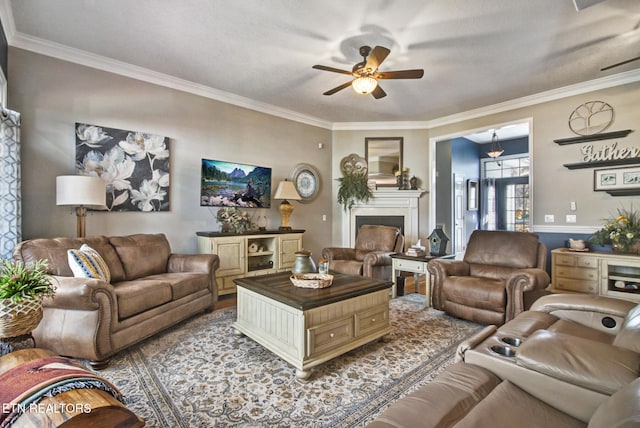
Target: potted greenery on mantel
[353, 186]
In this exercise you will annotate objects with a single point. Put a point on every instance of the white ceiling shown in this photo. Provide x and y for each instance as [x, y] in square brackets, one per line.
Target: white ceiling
[259, 53]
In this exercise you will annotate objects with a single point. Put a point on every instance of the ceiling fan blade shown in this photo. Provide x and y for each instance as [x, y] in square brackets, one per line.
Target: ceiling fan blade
[335, 70]
[378, 93]
[401, 74]
[376, 57]
[619, 64]
[337, 88]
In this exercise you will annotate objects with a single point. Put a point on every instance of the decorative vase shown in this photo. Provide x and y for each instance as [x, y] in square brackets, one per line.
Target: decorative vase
[303, 263]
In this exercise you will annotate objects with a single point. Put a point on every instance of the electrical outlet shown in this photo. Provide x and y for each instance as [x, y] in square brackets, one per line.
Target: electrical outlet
[573, 206]
[571, 218]
[549, 218]
[324, 217]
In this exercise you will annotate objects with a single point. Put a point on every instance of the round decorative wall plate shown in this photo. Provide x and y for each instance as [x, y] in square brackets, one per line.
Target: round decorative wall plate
[591, 118]
[307, 181]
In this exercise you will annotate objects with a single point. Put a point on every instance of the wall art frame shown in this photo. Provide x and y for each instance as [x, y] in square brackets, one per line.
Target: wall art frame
[617, 181]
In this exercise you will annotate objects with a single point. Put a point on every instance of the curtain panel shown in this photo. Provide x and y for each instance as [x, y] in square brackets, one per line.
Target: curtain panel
[10, 198]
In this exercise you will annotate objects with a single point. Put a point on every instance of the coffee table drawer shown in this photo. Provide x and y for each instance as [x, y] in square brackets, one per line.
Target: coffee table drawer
[371, 320]
[326, 337]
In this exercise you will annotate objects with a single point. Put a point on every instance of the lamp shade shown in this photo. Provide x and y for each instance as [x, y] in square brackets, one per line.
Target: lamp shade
[286, 190]
[80, 190]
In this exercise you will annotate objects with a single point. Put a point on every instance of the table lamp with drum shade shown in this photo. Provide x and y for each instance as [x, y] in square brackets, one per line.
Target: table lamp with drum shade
[286, 190]
[82, 192]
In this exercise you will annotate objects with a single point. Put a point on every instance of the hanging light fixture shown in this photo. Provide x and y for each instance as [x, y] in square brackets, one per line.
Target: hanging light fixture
[364, 85]
[496, 148]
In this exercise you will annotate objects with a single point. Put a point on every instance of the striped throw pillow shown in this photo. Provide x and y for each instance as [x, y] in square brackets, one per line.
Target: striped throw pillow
[87, 263]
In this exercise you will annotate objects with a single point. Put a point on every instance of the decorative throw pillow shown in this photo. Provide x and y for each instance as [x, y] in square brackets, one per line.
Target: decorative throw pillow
[87, 263]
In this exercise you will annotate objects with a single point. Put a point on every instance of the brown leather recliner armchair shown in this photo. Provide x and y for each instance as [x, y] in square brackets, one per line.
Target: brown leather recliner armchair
[371, 256]
[501, 274]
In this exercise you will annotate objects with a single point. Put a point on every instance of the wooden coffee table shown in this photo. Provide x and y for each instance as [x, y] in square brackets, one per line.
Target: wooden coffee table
[307, 327]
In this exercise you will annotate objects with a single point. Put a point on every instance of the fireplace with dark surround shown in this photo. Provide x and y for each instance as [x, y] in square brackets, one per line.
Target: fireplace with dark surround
[380, 220]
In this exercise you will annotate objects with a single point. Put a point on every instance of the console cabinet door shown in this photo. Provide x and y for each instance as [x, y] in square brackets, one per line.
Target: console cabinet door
[289, 245]
[231, 252]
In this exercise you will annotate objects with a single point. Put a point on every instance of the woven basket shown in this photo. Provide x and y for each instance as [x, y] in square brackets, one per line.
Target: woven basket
[21, 318]
[312, 280]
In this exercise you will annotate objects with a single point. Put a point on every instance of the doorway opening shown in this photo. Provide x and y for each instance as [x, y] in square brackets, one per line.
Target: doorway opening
[504, 191]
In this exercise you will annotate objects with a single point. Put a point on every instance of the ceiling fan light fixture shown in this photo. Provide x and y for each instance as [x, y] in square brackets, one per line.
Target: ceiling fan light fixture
[364, 85]
[496, 148]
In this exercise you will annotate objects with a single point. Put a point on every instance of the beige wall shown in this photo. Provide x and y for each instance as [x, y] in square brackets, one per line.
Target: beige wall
[53, 95]
[554, 186]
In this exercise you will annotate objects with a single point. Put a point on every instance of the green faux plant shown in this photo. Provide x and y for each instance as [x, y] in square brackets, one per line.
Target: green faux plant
[353, 188]
[19, 281]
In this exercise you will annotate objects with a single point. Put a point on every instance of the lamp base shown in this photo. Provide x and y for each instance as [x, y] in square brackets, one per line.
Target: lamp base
[285, 228]
[285, 209]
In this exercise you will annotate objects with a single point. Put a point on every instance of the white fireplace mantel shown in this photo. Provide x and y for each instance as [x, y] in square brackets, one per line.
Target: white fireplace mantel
[386, 201]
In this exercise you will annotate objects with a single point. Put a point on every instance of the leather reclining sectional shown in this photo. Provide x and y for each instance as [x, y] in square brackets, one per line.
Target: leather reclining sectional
[151, 289]
[570, 361]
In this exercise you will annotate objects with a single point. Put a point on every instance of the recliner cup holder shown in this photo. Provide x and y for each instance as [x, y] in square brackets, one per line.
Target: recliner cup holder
[513, 341]
[505, 351]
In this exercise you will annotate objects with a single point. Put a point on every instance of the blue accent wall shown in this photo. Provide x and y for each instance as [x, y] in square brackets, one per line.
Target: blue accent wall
[466, 161]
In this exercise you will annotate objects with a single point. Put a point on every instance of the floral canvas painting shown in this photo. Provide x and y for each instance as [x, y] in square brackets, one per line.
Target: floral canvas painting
[134, 166]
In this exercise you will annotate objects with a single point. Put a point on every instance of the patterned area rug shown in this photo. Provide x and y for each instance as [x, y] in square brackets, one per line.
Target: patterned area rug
[199, 374]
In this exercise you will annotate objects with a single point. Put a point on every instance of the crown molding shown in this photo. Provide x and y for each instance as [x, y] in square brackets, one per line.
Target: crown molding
[55, 50]
[542, 97]
[77, 56]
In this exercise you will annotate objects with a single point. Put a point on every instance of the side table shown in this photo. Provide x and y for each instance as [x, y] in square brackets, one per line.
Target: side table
[416, 265]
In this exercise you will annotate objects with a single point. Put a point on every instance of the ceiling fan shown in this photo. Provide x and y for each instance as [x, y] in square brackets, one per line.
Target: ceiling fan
[366, 73]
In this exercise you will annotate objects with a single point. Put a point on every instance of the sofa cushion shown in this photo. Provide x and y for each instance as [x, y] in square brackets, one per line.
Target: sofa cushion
[87, 263]
[183, 283]
[587, 363]
[509, 406]
[575, 329]
[142, 255]
[375, 238]
[54, 250]
[629, 335]
[502, 248]
[443, 401]
[348, 267]
[481, 293]
[137, 296]
[622, 410]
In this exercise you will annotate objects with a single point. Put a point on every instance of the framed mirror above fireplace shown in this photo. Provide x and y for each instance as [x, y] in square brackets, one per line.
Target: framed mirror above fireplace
[384, 158]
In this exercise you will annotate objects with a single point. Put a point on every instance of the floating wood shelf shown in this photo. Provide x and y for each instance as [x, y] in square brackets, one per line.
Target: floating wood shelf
[597, 164]
[594, 137]
[624, 192]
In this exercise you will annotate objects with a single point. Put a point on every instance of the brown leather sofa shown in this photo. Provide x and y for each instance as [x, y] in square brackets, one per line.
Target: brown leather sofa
[571, 360]
[371, 256]
[467, 395]
[501, 274]
[150, 289]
